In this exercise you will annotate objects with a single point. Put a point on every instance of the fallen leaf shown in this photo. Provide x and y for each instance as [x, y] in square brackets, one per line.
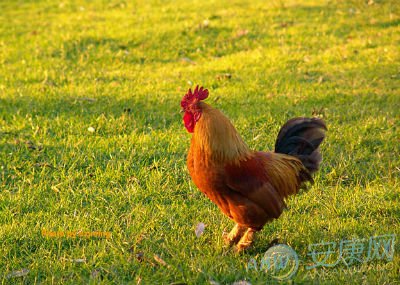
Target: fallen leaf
[160, 260]
[95, 273]
[199, 229]
[188, 60]
[242, 33]
[30, 145]
[318, 112]
[86, 99]
[43, 164]
[205, 24]
[285, 24]
[18, 273]
[140, 256]
[133, 179]
[224, 76]
[241, 282]
[55, 188]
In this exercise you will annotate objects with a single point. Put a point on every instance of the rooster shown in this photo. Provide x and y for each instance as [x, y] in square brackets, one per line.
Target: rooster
[250, 187]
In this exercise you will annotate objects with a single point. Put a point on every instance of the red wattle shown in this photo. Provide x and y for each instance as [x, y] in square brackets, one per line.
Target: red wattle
[189, 122]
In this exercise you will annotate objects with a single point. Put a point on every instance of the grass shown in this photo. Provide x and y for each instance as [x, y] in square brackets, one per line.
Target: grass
[122, 68]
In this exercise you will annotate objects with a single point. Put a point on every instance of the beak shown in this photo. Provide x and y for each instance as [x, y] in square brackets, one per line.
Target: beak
[181, 111]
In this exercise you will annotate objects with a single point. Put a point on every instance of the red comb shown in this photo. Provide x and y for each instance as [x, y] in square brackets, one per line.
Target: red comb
[197, 95]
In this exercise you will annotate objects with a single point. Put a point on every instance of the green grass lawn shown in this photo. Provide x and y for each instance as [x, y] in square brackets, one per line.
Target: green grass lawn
[122, 68]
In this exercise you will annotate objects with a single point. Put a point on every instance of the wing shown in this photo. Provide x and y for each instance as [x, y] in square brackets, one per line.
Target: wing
[266, 179]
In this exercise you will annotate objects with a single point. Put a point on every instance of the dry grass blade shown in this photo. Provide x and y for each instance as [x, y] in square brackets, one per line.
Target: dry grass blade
[160, 260]
[18, 273]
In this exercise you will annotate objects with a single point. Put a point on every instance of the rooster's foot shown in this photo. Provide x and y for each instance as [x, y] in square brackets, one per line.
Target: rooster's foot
[235, 235]
[246, 241]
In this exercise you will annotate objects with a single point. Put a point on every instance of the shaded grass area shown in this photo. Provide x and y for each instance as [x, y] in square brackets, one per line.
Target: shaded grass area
[122, 68]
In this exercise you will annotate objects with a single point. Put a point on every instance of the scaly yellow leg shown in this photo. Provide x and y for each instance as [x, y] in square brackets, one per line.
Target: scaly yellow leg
[235, 235]
[246, 240]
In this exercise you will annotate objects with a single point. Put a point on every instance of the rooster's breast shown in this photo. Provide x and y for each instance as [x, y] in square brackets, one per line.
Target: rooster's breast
[208, 176]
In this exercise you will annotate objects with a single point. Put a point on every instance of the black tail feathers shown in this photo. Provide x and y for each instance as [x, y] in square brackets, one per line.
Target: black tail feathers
[301, 138]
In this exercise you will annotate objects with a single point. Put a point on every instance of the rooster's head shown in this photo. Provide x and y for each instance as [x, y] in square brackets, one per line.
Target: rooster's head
[190, 105]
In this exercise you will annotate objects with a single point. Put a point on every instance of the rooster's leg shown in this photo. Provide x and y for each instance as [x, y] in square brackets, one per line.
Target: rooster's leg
[235, 235]
[247, 240]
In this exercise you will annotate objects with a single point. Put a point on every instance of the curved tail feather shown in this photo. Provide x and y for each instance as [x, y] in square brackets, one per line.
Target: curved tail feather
[301, 137]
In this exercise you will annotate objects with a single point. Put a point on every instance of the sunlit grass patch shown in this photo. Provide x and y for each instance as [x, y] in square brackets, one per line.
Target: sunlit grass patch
[91, 138]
